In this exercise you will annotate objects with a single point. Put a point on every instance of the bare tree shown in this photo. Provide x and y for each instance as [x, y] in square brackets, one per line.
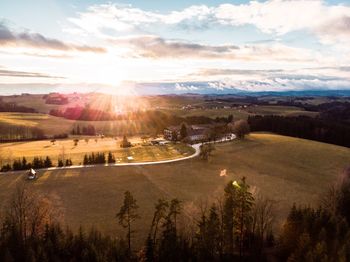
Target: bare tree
[76, 141]
[263, 218]
[28, 212]
[337, 199]
[63, 153]
[241, 128]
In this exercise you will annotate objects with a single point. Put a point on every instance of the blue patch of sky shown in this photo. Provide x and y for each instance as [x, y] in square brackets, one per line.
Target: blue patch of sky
[47, 17]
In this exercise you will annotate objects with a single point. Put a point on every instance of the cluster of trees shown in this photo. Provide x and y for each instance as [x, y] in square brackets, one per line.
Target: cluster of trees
[88, 130]
[37, 163]
[23, 164]
[62, 163]
[30, 231]
[13, 133]
[13, 107]
[98, 158]
[206, 150]
[321, 234]
[240, 128]
[94, 158]
[334, 111]
[303, 127]
[83, 113]
[236, 227]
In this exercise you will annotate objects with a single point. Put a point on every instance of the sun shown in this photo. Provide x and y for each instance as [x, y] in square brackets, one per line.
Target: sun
[121, 89]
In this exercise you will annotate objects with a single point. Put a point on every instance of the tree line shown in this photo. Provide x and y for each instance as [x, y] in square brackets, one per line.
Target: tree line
[88, 130]
[10, 133]
[13, 107]
[37, 163]
[303, 127]
[236, 227]
[83, 113]
[98, 158]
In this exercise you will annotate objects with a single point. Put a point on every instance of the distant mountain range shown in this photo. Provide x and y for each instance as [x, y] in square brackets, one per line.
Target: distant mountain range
[205, 88]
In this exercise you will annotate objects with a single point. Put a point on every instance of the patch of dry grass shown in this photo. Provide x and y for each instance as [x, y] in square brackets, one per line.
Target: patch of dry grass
[140, 152]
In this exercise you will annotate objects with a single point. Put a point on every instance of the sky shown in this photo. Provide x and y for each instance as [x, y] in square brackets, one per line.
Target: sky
[183, 46]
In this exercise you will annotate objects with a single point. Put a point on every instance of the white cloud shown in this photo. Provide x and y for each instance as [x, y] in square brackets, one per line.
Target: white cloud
[149, 46]
[274, 17]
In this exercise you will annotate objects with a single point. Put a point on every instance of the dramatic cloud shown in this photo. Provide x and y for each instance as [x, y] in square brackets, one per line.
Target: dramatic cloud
[335, 30]
[34, 40]
[273, 17]
[157, 47]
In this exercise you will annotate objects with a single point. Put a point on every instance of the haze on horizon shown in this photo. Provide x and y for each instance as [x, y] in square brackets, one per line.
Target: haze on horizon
[134, 46]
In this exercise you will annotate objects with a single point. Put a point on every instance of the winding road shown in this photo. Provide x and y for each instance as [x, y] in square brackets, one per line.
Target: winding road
[196, 147]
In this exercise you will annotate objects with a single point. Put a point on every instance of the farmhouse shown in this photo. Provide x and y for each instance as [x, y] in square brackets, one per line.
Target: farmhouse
[194, 132]
[172, 132]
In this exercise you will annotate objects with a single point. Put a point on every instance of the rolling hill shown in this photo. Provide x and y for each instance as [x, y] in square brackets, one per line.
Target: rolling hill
[284, 169]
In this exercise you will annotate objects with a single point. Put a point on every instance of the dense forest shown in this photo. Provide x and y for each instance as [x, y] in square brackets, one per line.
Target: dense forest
[318, 129]
[236, 227]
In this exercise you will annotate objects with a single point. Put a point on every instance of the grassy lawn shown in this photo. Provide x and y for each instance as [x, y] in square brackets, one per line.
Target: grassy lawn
[139, 152]
[287, 170]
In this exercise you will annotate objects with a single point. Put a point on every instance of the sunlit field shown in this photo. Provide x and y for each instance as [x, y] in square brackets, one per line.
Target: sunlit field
[52, 125]
[140, 152]
[175, 130]
[287, 170]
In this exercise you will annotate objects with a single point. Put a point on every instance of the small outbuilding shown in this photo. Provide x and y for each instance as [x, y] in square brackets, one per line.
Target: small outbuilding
[31, 174]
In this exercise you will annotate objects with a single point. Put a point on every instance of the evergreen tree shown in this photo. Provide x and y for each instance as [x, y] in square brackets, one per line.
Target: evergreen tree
[149, 256]
[159, 215]
[228, 217]
[209, 240]
[183, 131]
[127, 215]
[24, 163]
[243, 217]
[110, 158]
[60, 163]
[86, 160]
[47, 162]
[69, 162]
